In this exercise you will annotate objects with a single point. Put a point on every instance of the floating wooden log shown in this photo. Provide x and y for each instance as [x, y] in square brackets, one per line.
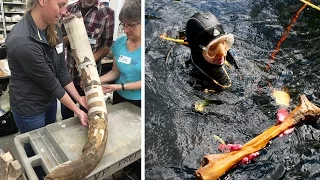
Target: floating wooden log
[215, 165]
[97, 111]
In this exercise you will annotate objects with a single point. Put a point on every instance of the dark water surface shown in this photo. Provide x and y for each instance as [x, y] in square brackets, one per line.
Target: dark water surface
[177, 137]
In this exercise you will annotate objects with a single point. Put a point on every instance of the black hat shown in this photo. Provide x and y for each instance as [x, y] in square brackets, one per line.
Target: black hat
[203, 29]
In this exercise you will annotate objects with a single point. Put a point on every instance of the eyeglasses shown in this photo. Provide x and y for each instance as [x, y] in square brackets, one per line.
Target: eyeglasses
[128, 26]
[212, 48]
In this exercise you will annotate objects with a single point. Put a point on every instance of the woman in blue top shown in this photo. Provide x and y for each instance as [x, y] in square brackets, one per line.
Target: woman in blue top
[126, 69]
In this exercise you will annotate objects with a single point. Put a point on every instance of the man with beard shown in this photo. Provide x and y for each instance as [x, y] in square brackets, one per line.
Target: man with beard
[99, 22]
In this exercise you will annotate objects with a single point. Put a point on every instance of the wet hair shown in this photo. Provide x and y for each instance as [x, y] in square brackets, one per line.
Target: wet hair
[52, 36]
[131, 10]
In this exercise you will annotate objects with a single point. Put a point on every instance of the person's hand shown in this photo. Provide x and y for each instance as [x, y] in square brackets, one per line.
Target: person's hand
[83, 117]
[236, 147]
[111, 87]
[83, 102]
[282, 113]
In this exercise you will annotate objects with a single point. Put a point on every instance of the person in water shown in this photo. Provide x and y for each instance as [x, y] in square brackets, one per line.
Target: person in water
[210, 49]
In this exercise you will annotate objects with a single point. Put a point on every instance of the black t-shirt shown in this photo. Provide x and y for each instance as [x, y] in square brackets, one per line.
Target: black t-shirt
[84, 11]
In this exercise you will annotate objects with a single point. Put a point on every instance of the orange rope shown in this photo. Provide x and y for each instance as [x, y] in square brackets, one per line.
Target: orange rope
[285, 35]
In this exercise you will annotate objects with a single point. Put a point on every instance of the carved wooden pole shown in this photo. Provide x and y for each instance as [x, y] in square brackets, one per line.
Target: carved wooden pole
[216, 165]
[97, 111]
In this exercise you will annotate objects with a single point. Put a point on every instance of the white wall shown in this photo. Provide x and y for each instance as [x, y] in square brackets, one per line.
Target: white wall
[71, 1]
[116, 5]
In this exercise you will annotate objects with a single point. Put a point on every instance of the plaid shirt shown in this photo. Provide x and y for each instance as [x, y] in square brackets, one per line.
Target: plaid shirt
[99, 23]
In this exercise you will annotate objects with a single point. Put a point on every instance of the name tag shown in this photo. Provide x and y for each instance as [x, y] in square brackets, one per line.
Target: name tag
[59, 48]
[125, 59]
[92, 41]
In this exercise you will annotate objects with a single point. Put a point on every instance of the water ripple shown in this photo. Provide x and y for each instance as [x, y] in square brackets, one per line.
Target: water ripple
[177, 137]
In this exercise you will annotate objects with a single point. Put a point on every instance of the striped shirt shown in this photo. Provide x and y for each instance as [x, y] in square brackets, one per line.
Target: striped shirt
[99, 23]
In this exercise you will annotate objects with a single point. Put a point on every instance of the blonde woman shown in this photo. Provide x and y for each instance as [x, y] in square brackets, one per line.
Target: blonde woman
[39, 73]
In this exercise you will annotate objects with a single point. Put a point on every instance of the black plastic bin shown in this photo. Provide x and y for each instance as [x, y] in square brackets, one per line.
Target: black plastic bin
[3, 52]
[7, 124]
